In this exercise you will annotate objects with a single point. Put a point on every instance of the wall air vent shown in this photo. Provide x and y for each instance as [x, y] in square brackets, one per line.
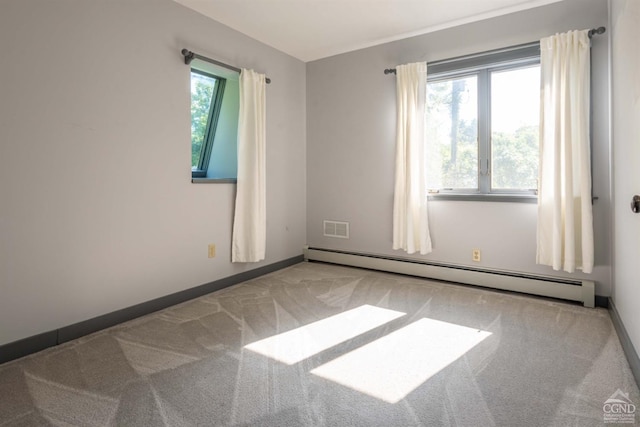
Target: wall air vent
[336, 229]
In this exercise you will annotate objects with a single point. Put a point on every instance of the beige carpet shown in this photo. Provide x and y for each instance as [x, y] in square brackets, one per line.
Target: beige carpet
[322, 345]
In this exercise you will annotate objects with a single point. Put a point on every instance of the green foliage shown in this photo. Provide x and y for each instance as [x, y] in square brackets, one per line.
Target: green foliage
[201, 93]
[515, 159]
[463, 172]
[452, 140]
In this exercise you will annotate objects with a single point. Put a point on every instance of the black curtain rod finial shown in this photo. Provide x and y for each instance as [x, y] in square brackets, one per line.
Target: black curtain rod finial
[188, 56]
[594, 31]
[390, 71]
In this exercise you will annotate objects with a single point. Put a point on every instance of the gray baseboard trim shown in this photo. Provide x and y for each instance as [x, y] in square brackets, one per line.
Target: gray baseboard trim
[29, 345]
[627, 345]
[602, 301]
[35, 343]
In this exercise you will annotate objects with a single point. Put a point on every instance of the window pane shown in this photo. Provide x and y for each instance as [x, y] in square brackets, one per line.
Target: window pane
[515, 112]
[202, 89]
[452, 133]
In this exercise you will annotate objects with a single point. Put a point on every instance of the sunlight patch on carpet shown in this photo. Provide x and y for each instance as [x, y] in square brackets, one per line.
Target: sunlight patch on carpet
[393, 366]
[298, 344]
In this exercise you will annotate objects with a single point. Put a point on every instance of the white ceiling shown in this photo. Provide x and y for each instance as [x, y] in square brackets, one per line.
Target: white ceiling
[314, 29]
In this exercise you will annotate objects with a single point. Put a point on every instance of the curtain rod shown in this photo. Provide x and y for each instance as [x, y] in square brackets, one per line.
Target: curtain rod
[595, 31]
[591, 33]
[190, 56]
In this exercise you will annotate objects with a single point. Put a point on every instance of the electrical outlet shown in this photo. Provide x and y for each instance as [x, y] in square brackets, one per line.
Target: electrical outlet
[475, 255]
[212, 250]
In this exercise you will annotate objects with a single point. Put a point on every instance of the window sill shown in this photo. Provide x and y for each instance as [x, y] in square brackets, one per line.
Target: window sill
[214, 180]
[509, 198]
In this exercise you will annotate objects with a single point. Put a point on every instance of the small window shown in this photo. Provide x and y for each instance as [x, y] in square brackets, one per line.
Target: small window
[214, 122]
[207, 92]
[482, 124]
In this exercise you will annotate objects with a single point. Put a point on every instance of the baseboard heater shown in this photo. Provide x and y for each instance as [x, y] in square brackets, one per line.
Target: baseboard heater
[554, 287]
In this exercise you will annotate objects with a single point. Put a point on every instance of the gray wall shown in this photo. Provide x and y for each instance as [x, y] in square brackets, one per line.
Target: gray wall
[351, 138]
[97, 211]
[625, 20]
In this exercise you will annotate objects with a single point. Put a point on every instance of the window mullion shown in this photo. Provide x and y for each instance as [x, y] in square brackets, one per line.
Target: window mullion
[484, 132]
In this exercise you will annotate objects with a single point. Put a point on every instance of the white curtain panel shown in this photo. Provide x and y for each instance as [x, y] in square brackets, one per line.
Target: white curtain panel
[410, 220]
[250, 221]
[565, 221]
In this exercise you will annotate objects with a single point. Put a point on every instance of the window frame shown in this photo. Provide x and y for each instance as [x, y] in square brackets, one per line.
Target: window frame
[215, 108]
[482, 65]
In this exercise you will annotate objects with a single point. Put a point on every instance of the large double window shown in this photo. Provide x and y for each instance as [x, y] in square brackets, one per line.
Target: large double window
[482, 124]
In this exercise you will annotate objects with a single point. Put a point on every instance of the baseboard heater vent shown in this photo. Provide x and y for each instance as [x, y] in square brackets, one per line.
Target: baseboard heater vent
[554, 287]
